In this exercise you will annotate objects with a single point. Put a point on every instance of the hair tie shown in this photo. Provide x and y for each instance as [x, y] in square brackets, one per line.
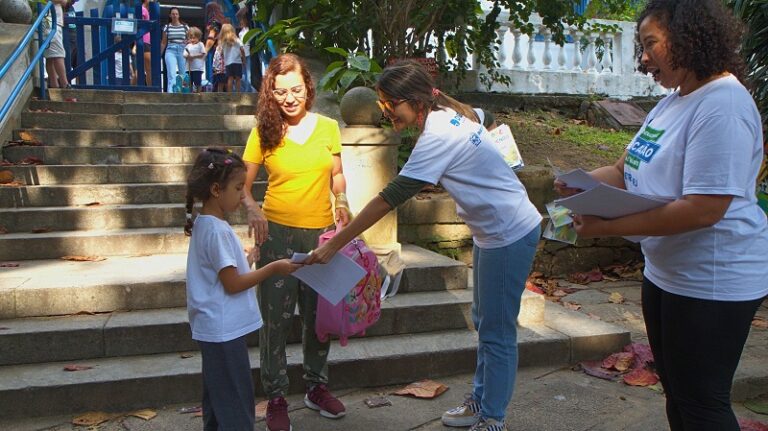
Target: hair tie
[227, 161]
[435, 92]
[189, 216]
[210, 165]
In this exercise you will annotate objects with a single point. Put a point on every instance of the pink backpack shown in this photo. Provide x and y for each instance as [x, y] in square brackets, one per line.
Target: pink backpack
[358, 310]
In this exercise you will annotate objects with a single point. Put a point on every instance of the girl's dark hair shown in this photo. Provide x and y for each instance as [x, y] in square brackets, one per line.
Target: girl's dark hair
[408, 80]
[704, 36]
[169, 14]
[271, 124]
[212, 165]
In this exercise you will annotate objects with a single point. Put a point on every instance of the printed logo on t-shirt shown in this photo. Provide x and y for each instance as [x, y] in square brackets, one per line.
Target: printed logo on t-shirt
[643, 148]
[456, 121]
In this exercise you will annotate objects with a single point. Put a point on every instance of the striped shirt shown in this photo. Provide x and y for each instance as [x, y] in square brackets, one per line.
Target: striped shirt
[176, 33]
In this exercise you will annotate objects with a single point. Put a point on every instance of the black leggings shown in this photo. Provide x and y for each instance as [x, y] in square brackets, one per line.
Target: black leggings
[696, 345]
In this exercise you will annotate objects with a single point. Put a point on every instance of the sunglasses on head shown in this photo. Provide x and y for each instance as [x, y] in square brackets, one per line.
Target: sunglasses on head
[389, 105]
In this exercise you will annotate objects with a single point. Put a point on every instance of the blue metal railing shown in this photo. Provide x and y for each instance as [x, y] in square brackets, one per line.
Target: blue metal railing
[37, 59]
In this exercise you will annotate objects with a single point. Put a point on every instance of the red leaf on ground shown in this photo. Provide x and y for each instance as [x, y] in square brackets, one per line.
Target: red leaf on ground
[31, 160]
[594, 369]
[586, 277]
[621, 361]
[77, 367]
[641, 377]
[760, 323]
[750, 425]
[9, 265]
[84, 258]
[533, 288]
[70, 99]
[643, 354]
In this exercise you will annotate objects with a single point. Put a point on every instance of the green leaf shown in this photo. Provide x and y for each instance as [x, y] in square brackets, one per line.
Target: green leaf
[348, 78]
[360, 62]
[335, 50]
[328, 79]
[335, 65]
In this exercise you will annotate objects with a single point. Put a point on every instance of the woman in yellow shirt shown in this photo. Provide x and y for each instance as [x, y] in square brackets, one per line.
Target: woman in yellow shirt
[301, 152]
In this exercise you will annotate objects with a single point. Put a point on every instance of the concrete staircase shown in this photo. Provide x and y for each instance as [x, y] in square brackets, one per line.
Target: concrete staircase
[112, 186]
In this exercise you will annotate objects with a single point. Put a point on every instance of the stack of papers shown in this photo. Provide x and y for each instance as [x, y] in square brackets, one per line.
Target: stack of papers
[333, 280]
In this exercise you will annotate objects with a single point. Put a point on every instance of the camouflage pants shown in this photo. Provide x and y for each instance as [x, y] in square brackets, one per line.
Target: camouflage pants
[278, 296]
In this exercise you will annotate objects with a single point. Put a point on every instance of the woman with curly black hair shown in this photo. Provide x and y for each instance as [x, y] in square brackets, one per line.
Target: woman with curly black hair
[701, 148]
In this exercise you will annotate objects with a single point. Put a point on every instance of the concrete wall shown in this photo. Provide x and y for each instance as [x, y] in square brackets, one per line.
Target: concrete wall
[10, 36]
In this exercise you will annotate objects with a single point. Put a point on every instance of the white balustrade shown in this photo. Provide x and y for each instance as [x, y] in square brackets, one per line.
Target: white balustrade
[517, 53]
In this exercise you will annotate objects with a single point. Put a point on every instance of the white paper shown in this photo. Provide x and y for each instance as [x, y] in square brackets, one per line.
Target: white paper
[578, 179]
[504, 140]
[299, 257]
[333, 280]
[609, 202]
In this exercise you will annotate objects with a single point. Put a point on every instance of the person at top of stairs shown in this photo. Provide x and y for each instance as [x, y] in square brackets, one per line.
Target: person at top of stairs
[301, 150]
[221, 303]
[234, 56]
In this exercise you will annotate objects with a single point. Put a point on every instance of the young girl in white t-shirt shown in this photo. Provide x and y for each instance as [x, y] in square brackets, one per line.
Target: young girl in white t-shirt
[234, 56]
[221, 301]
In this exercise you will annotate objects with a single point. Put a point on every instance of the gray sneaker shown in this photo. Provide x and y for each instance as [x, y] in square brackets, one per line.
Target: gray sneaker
[487, 424]
[465, 415]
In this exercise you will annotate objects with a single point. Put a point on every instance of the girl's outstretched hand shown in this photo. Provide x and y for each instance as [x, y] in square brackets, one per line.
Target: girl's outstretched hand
[342, 216]
[284, 266]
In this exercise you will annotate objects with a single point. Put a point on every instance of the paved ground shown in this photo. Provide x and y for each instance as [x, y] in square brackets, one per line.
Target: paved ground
[545, 399]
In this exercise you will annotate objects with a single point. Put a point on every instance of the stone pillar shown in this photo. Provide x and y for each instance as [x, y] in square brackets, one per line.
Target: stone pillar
[369, 156]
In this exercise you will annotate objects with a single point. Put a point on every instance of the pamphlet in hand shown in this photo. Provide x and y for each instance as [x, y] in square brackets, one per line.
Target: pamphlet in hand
[560, 225]
[505, 142]
[332, 280]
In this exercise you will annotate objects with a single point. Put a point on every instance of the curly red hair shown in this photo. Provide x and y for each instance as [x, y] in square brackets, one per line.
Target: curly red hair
[269, 116]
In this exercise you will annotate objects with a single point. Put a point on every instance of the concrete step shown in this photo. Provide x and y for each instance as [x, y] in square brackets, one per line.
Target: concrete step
[125, 383]
[138, 97]
[100, 174]
[136, 138]
[56, 155]
[142, 108]
[59, 287]
[55, 120]
[145, 332]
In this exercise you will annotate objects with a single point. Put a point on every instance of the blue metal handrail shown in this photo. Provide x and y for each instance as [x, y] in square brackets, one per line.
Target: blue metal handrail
[37, 59]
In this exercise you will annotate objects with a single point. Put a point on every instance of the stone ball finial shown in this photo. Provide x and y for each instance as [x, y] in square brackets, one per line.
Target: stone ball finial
[358, 107]
[15, 11]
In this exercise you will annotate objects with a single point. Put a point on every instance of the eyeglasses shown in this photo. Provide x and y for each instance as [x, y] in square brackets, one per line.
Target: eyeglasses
[298, 92]
[389, 105]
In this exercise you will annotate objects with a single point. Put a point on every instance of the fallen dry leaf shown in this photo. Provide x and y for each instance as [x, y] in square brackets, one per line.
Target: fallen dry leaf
[185, 410]
[42, 229]
[9, 264]
[84, 258]
[145, 414]
[641, 377]
[77, 367]
[759, 323]
[91, 419]
[4, 328]
[423, 389]
[571, 306]
[70, 99]
[186, 355]
[31, 160]
[595, 369]
[751, 425]
[559, 293]
[91, 204]
[643, 354]
[758, 405]
[586, 277]
[13, 184]
[378, 401]
[261, 409]
[199, 414]
[6, 177]
[594, 316]
[533, 288]
[621, 361]
[3, 230]
[616, 298]
[22, 143]
[26, 136]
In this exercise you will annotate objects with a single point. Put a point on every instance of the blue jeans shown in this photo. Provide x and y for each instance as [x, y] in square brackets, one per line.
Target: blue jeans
[245, 83]
[174, 62]
[499, 279]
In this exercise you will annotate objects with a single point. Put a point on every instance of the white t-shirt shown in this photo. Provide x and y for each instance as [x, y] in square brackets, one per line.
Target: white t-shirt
[460, 155]
[241, 35]
[232, 52]
[215, 315]
[197, 64]
[708, 142]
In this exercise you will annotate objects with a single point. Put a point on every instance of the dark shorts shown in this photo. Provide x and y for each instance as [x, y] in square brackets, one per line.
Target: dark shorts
[235, 70]
[197, 77]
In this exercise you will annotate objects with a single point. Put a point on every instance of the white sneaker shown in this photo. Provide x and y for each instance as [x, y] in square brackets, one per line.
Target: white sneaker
[465, 415]
[487, 424]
